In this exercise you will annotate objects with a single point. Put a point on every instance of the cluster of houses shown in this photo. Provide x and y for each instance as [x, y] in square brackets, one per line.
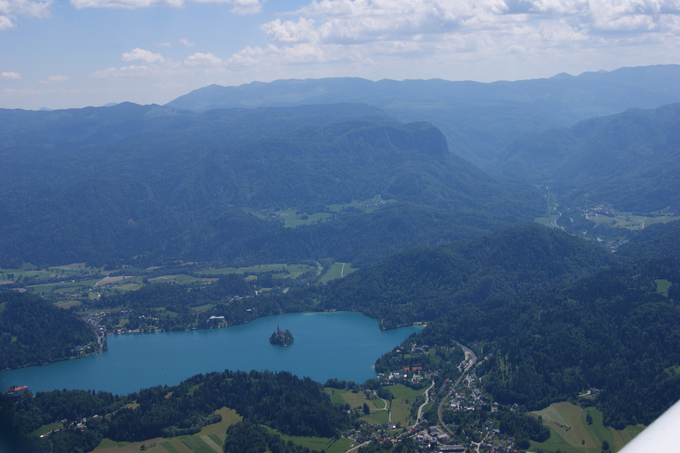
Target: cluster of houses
[415, 373]
[78, 424]
[431, 436]
[372, 432]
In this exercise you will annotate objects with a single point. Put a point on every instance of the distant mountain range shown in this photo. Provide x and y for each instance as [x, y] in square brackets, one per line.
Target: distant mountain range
[478, 119]
[111, 183]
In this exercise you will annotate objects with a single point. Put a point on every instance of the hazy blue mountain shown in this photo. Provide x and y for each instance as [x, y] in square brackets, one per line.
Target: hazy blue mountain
[478, 119]
[109, 183]
[631, 160]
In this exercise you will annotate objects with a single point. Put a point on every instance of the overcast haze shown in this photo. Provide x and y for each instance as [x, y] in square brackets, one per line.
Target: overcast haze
[61, 54]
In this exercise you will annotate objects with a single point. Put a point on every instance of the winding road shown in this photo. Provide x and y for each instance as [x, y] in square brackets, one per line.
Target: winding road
[427, 400]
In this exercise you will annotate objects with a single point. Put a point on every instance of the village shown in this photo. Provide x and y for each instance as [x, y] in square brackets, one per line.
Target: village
[470, 418]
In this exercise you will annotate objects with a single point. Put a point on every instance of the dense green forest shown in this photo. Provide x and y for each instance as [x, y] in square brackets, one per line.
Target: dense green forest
[34, 331]
[422, 284]
[279, 401]
[614, 331]
[247, 437]
[656, 241]
[142, 189]
[628, 160]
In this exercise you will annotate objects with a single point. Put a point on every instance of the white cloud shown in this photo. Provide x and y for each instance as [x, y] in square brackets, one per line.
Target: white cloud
[155, 66]
[203, 59]
[187, 43]
[142, 55]
[162, 44]
[55, 78]
[297, 54]
[128, 4]
[128, 71]
[239, 6]
[11, 9]
[289, 31]
[9, 76]
[442, 30]
[243, 7]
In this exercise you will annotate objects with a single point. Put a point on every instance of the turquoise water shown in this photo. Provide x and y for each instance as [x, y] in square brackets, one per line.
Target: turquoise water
[327, 345]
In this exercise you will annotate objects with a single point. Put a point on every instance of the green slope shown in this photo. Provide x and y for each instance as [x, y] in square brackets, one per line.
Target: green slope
[629, 160]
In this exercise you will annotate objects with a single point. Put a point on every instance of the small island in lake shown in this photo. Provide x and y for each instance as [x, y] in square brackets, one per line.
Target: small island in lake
[281, 337]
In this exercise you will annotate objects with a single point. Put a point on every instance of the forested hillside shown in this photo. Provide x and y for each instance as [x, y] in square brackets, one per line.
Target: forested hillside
[615, 331]
[422, 284]
[656, 241]
[630, 160]
[34, 331]
[166, 184]
[280, 401]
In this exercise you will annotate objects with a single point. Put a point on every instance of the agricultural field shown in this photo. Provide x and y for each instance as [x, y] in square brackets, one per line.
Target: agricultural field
[662, 286]
[209, 440]
[376, 418]
[330, 445]
[355, 400]
[630, 221]
[28, 270]
[69, 304]
[281, 270]
[547, 221]
[45, 429]
[338, 270]
[75, 281]
[293, 218]
[402, 402]
[571, 433]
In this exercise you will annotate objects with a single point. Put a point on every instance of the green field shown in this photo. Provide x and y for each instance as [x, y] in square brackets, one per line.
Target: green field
[319, 443]
[401, 391]
[209, 440]
[355, 400]
[402, 402]
[662, 286]
[376, 418]
[580, 437]
[66, 271]
[337, 270]
[292, 219]
[378, 403]
[180, 278]
[202, 307]
[281, 270]
[66, 305]
[547, 221]
[45, 429]
[632, 222]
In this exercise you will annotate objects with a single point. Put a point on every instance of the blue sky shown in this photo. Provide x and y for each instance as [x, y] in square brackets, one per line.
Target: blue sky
[75, 53]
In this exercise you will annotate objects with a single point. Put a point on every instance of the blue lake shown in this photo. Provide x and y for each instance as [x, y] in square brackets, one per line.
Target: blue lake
[344, 346]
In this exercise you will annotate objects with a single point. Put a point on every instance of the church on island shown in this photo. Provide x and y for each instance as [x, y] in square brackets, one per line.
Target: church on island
[281, 337]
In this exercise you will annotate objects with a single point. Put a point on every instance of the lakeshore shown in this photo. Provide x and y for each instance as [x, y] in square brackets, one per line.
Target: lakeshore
[341, 345]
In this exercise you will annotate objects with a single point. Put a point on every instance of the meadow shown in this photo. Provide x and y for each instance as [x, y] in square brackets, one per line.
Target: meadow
[209, 440]
[571, 433]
